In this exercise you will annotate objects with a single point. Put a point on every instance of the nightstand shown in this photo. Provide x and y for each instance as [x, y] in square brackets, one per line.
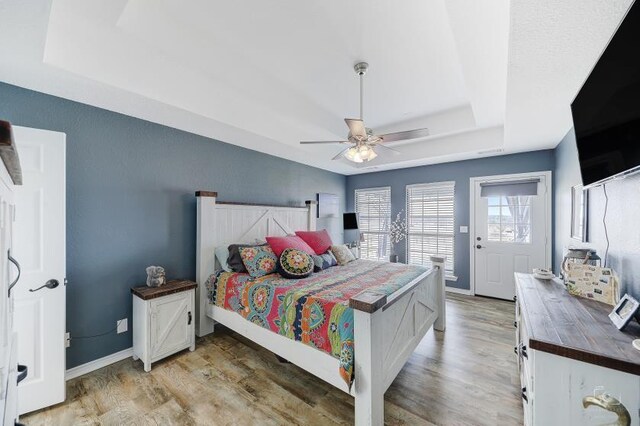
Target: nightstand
[163, 320]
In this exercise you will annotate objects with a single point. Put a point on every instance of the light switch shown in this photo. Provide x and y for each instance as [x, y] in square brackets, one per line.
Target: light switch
[464, 229]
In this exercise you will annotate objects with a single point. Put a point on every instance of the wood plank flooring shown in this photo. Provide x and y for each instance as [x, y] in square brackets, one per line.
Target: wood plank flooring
[465, 376]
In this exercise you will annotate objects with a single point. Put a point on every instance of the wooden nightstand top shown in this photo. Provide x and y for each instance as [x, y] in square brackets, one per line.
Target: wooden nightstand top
[171, 287]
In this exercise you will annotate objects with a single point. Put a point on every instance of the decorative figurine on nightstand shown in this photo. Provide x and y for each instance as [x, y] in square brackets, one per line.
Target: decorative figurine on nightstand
[397, 233]
[155, 276]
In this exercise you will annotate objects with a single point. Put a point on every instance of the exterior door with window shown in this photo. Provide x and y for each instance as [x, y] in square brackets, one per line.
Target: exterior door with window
[511, 227]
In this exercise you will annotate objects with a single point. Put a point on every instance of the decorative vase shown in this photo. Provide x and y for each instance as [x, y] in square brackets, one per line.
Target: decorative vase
[393, 258]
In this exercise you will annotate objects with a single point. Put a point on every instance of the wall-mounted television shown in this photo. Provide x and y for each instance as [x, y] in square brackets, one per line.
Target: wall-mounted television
[606, 111]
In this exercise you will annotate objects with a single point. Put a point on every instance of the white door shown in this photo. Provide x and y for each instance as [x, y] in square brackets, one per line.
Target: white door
[511, 218]
[39, 247]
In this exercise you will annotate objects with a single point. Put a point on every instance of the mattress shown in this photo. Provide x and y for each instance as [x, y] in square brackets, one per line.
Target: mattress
[315, 310]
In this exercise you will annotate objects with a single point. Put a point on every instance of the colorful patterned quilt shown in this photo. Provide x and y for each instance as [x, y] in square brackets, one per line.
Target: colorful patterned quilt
[313, 310]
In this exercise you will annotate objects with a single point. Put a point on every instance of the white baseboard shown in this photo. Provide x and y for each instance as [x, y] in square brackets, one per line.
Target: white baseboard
[458, 290]
[96, 364]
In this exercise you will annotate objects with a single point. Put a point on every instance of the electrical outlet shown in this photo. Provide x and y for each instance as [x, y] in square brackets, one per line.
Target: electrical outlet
[67, 339]
[123, 325]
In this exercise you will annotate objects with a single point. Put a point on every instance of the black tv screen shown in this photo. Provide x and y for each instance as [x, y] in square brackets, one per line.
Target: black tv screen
[606, 111]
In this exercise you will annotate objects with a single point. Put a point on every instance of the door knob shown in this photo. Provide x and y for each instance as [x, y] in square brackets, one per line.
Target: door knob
[51, 284]
[478, 246]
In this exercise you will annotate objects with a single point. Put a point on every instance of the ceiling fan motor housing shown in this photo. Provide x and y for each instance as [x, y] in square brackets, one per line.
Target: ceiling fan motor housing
[361, 68]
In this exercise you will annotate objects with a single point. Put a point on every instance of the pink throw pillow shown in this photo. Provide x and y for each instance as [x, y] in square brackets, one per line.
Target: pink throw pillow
[319, 241]
[279, 244]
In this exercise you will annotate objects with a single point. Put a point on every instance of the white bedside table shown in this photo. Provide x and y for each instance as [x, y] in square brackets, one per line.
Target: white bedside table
[163, 320]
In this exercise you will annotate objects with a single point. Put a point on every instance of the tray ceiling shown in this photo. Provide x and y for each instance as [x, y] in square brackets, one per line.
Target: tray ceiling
[487, 77]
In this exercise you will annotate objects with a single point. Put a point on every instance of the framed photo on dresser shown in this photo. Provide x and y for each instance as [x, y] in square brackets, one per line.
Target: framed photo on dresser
[625, 310]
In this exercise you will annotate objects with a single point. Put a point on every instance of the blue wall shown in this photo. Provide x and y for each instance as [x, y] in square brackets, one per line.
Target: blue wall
[460, 172]
[621, 218]
[130, 203]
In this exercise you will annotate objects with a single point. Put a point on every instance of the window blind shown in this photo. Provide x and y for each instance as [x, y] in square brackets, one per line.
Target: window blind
[430, 211]
[373, 206]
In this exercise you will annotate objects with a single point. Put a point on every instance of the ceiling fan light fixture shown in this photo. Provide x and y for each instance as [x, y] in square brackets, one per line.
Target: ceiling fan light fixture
[360, 154]
[353, 154]
[367, 153]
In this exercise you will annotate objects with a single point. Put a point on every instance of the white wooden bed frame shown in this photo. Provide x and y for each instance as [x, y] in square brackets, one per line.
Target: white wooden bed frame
[387, 329]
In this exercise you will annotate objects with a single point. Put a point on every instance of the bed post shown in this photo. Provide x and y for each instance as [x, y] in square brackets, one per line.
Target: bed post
[312, 207]
[438, 262]
[205, 256]
[369, 369]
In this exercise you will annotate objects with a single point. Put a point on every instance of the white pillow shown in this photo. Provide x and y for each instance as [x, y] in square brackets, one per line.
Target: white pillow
[222, 254]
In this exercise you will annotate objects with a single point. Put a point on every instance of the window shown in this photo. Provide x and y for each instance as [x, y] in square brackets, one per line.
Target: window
[430, 209]
[374, 216]
[509, 219]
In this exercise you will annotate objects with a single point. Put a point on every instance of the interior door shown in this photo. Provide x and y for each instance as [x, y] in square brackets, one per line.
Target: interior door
[511, 226]
[39, 247]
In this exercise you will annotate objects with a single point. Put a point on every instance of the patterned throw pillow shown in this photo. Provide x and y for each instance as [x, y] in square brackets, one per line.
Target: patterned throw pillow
[343, 254]
[324, 261]
[259, 260]
[235, 260]
[294, 263]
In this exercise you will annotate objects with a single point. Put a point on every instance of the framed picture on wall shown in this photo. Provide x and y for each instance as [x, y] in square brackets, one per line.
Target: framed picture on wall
[579, 213]
[328, 205]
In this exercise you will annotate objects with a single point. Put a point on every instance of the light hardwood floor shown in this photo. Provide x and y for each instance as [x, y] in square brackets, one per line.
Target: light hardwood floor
[465, 376]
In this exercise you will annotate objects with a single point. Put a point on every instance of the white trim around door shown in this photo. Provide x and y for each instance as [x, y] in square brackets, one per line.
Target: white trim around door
[472, 209]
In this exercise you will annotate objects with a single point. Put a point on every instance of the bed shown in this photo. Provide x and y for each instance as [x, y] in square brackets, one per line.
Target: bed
[392, 306]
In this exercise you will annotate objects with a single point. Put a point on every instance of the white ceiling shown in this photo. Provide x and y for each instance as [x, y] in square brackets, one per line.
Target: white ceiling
[486, 77]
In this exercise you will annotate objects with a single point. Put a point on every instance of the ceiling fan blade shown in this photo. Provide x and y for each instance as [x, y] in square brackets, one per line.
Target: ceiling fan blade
[356, 127]
[341, 153]
[395, 151]
[316, 142]
[401, 136]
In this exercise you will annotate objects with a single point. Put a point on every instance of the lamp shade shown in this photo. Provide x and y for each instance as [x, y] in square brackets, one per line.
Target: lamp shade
[350, 221]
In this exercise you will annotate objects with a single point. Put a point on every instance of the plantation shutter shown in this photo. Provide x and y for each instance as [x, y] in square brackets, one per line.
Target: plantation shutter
[374, 216]
[430, 210]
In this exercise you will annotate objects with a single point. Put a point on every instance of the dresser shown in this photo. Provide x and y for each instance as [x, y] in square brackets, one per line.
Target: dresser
[574, 364]
[10, 374]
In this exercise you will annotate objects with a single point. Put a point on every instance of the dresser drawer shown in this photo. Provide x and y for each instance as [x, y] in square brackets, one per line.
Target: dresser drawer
[525, 365]
[10, 415]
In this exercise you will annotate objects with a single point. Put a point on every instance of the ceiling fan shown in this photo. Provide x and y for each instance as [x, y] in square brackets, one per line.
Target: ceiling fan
[363, 142]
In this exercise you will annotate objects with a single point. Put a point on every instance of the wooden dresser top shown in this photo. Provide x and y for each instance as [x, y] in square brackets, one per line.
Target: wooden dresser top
[574, 327]
[170, 287]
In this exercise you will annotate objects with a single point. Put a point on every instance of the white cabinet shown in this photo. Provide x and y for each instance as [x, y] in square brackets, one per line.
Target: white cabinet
[163, 321]
[569, 351]
[8, 276]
